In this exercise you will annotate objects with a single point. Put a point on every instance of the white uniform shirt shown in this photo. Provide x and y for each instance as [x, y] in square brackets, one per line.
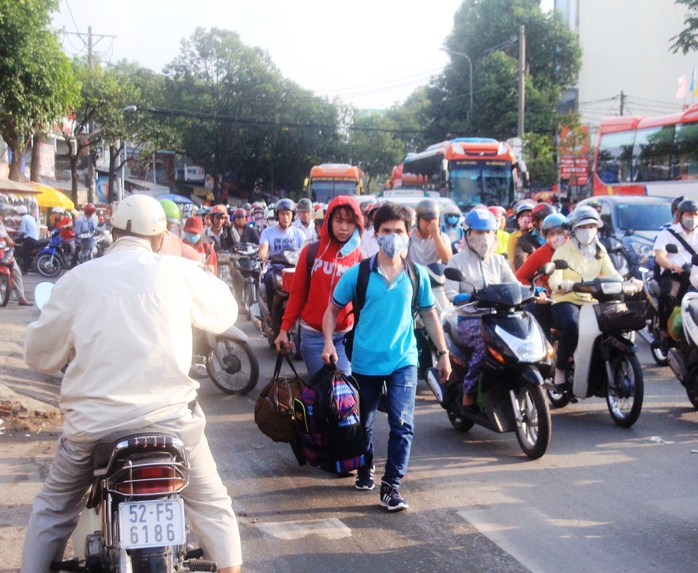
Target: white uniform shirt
[478, 273]
[423, 251]
[310, 232]
[664, 237]
[128, 317]
[369, 243]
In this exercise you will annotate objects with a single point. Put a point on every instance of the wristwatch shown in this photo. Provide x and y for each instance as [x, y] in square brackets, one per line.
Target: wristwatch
[440, 353]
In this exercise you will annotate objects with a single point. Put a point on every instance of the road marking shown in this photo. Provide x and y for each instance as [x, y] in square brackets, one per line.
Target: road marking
[331, 528]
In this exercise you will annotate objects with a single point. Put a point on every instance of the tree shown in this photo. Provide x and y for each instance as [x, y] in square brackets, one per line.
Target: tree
[374, 148]
[36, 82]
[687, 40]
[247, 124]
[487, 31]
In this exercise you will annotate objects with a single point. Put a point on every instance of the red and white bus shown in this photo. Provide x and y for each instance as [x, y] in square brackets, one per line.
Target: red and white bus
[648, 155]
[469, 170]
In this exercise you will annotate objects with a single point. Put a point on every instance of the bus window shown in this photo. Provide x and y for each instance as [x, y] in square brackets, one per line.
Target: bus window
[686, 152]
[653, 151]
[614, 160]
[466, 184]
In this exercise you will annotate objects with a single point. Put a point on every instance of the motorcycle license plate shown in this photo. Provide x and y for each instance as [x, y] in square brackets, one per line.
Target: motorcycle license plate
[151, 523]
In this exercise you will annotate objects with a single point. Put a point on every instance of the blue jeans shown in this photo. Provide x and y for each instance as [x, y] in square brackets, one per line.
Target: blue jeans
[312, 343]
[566, 320]
[402, 390]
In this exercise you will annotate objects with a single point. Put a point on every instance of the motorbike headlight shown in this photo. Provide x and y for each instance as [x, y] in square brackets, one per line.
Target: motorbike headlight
[292, 256]
[640, 249]
[530, 349]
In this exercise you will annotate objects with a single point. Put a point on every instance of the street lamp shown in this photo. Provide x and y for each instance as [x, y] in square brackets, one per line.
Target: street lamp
[470, 64]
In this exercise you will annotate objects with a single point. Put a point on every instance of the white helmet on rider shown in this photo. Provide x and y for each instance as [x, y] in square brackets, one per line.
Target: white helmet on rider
[140, 215]
[21, 210]
[585, 215]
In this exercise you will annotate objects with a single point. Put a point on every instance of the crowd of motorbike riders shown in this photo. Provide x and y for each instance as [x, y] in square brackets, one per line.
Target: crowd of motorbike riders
[488, 245]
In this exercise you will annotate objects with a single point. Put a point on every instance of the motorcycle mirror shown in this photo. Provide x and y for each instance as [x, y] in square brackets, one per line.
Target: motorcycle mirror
[548, 269]
[671, 248]
[694, 259]
[42, 293]
[629, 232]
[561, 265]
[454, 274]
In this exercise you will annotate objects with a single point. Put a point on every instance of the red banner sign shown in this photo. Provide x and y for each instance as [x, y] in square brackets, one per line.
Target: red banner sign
[574, 169]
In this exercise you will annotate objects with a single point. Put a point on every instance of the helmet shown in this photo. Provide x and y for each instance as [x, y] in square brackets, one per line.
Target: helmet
[140, 215]
[21, 210]
[304, 204]
[58, 210]
[555, 220]
[497, 211]
[687, 205]
[523, 206]
[270, 214]
[171, 210]
[541, 211]
[284, 205]
[481, 220]
[240, 213]
[319, 215]
[89, 209]
[219, 210]
[676, 202]
[374, 207]
[5, 208]
[246, 206]
[584, 215]
[428, 209]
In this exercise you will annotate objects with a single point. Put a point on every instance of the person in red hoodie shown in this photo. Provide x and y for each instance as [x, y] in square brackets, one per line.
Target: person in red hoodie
[337, 250]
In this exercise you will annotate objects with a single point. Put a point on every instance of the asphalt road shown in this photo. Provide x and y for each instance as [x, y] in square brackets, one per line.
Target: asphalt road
[602, 498]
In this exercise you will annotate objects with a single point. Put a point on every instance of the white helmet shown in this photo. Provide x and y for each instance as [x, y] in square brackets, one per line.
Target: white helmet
[140, 215]
[58, 210]
[21, 210]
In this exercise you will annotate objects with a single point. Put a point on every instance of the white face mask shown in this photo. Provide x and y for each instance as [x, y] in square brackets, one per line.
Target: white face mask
[482, 244]
[585, 236]
[689, 223]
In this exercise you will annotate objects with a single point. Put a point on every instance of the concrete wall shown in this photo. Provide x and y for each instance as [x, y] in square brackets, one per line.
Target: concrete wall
[625, 47]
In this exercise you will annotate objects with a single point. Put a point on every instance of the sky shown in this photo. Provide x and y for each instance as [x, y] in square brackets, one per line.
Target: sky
[369, 53]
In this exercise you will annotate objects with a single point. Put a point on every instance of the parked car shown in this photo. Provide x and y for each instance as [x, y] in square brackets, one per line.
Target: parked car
[634, 221]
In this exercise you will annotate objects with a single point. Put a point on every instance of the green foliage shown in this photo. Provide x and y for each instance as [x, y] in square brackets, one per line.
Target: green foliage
[36, 82]
[487, 31]
[687, 40]
[539, 151]
[231, 87]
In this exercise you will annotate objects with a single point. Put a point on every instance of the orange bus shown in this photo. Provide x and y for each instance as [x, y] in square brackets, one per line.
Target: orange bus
[469, 170]
[330, 180]
[648, 155]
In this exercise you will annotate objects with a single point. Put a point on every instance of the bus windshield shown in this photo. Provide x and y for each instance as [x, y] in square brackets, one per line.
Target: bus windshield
[488, 182]
[325, 191]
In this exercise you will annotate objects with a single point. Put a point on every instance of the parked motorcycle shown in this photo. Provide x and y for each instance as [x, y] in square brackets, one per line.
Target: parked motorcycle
[54, 257]
[268, 320]
[510, 394]
[605, 360]
[34, 250]
[228, 358]
[247, 264]
[7, 281]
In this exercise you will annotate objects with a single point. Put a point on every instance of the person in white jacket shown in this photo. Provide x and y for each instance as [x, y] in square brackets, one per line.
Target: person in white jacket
[124, 321]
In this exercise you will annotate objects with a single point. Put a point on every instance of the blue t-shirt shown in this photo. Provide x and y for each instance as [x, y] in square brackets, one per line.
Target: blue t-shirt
[280, 241]
[384, 340]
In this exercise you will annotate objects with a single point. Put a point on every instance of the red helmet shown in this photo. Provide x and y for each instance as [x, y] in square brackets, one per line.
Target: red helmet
[219, 210]
[89, 209]
[239, 213]
[497, 211]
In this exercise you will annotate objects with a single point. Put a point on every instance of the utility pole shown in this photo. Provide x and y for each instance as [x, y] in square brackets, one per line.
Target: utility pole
[622, 103]
[91, 158]
[522, 79]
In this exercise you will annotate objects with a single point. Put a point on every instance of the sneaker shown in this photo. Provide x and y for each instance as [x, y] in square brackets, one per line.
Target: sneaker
[391, 498]
[364, 478]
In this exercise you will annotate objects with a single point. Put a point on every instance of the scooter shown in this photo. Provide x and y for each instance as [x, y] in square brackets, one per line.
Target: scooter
[33, 251]
[683, 359]
[510, 395]
[268, 320]
[54, 257]
[248, 266]
[228, 359]
[605, 360]
[134, 518]
[7, 281]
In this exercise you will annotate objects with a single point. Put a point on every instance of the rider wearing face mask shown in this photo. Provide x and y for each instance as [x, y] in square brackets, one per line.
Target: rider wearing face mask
[524, 224]
[481, 267]
[673, 283]
[587, 259]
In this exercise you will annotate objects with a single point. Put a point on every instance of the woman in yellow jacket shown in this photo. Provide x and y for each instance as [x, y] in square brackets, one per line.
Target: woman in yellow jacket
[587, 259]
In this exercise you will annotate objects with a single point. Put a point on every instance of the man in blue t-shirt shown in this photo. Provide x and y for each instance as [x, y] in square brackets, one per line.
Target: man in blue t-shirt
[385, 348]
[277, 239]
